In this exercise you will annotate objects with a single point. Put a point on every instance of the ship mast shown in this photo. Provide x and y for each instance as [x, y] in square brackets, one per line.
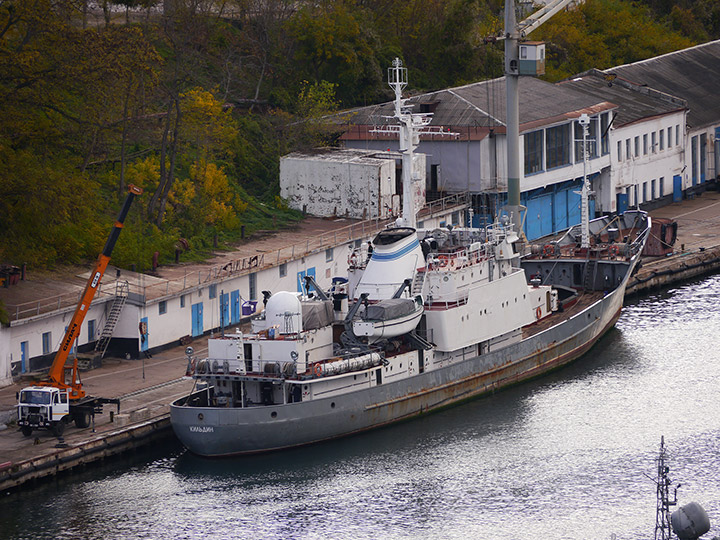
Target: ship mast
[397, 79]
[584, 194]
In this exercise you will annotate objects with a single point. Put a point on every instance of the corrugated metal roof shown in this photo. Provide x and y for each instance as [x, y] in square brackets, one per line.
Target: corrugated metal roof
[482, 105]
[635, 102]
[691, 74]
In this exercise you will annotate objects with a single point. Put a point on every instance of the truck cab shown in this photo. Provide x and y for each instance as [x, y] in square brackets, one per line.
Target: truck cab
[43, 407]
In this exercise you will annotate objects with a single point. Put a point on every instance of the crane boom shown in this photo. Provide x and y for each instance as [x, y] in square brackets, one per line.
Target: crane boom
[56, 376]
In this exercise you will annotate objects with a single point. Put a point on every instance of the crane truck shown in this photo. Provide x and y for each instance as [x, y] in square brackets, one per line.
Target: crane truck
[59, 398]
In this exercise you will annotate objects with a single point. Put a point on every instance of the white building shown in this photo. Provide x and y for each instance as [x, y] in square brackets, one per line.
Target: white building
[159, 312]
[645, 140]
[665, 109]
[692, 75]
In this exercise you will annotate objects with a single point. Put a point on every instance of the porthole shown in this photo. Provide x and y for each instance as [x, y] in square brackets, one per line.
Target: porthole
[201, 416]
[273, 414]
[332, 405]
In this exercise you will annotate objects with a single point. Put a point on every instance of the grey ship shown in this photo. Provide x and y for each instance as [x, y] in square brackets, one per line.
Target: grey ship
[431, 318]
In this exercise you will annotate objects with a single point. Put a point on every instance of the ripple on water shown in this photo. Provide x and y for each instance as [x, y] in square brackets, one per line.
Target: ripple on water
[565, 456]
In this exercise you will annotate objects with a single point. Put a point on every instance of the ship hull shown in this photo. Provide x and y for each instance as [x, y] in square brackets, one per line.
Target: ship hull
[214, 431]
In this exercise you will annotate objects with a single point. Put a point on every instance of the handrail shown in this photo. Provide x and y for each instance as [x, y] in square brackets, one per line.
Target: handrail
[242, 265]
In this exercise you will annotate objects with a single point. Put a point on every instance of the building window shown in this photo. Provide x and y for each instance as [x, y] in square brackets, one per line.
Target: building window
[662, 139]
[693, 155]
[677, 134]
[213, 291]
[652, 190]
[91, 330]
[329, 255]
[162, 307]
[182, 301]
[420, 225]
[661, 181]
[653, 141]
[670, 143]
[605, 133]
[628, 194]
[455, 218]
[557, 144]
[644, 192]
[645, 148]
[637, 146]
[282, 269]
[47, 342]
[627, 149]
[533, 152]
[619, 154]
[252, 283]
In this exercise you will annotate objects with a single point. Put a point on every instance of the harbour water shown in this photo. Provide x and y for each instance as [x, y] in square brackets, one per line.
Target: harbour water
[568, 456]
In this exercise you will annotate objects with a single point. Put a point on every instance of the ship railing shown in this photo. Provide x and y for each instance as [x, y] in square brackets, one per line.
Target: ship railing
[55, 303]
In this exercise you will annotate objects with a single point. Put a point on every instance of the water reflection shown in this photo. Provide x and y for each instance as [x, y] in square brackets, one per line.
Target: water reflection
[564, 456]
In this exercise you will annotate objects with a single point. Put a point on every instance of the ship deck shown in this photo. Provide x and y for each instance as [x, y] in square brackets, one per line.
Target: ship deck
[584, 300]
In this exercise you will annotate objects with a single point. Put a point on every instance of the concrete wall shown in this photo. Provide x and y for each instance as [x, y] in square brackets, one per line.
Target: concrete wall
[361, 189]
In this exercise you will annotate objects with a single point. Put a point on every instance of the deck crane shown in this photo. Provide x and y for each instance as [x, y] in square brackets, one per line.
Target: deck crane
[59, 397]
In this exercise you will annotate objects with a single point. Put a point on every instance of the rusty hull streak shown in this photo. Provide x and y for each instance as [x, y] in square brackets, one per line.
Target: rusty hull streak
[477, 385]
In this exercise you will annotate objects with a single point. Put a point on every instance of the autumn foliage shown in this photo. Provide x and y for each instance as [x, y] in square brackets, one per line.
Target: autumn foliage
[196, 102]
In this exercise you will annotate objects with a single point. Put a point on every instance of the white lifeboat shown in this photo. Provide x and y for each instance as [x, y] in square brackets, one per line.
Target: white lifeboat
[389, 318]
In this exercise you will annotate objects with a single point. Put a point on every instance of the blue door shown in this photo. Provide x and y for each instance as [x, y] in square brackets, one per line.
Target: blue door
[539, 220]
[560, 210]
[224, 309]
[144, 334]
[677, 188]
[235, 307]
[23, 356]
[301, 278]
[197, 319]
[622, 203]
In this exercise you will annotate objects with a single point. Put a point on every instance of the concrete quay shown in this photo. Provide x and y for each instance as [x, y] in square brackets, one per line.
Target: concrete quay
[146, 387]
[697, 249]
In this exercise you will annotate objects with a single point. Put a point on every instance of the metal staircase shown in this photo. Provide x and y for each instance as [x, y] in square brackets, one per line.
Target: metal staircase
[418, 283]
[590, 272]
[122, 289]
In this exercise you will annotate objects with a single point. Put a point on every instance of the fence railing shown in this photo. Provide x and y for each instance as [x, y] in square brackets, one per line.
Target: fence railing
[240, 266]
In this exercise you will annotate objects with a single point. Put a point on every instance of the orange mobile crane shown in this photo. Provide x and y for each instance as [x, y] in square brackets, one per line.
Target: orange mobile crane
[60, 397]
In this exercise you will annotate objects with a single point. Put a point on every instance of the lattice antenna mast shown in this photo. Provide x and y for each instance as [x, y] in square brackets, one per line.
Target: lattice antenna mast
[663, 530]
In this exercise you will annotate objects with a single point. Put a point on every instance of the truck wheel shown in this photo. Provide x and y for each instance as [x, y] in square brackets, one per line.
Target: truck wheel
[82, 419]
[58, 428]
[26, 430]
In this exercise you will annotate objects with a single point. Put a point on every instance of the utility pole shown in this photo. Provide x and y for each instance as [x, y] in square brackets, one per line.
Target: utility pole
[512, 120]
[513, 33]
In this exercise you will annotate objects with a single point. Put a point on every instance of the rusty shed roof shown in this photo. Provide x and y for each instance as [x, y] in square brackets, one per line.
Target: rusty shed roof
[482, 104]
[691, 74]
[635, 102]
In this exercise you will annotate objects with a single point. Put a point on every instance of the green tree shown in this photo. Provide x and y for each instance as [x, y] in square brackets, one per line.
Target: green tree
[601, 34]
